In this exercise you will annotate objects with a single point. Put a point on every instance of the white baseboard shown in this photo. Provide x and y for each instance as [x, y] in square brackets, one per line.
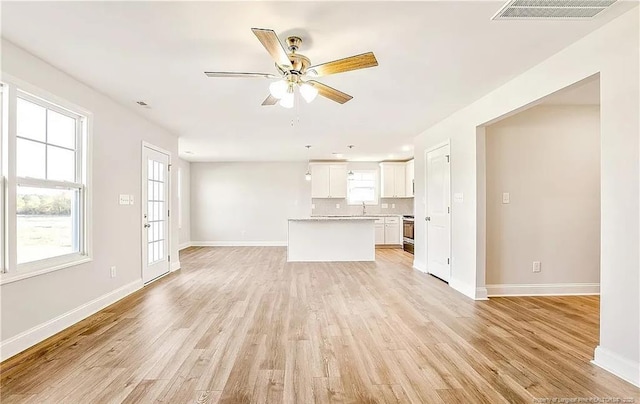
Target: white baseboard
[184, 245]
[239, 243]
[482, 293]
[464, 288]
[550, 289]
[419, 266]
[29, 338]
[175, 266]
[622, 367]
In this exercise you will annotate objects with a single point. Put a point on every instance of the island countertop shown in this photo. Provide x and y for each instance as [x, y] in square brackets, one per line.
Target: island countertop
[331, 218]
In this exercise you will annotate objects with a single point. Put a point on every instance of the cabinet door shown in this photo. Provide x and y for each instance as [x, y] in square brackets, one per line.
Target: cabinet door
[320, 181]
[399, 181]
[337, 181]
[379, 234]
[387, 181]
[409, 177]
[392, 233]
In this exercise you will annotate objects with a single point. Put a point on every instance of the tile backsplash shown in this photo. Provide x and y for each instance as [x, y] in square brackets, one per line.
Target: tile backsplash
[327, 207]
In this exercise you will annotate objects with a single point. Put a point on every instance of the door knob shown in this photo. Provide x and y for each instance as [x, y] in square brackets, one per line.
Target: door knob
[428, 218]
[146, 226]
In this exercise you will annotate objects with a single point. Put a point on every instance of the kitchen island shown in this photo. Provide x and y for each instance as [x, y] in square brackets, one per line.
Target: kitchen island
[331, 238]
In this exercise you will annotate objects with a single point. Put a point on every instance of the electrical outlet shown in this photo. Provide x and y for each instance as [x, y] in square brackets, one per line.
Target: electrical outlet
[393, 206]
[313, 206]
[506, 198]
[113, 272]
[385, 205]
[337, 206]
[536, 266]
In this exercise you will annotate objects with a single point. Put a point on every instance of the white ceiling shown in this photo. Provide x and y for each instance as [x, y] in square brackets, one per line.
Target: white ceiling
[434, 58]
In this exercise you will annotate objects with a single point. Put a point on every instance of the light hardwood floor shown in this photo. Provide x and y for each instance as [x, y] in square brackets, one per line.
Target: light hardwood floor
[241, 325]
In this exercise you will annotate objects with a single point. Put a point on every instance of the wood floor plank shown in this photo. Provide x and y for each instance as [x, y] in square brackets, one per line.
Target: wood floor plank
[240, 324]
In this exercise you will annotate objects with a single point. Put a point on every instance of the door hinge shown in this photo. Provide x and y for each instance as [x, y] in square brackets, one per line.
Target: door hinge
[168, 213]
[168, 167]
[448, 209]
[447, 261]
[447, 156]
[169, 258]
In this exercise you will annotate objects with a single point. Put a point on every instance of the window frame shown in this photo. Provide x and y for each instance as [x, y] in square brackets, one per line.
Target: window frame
[12, 271]
[376, 188]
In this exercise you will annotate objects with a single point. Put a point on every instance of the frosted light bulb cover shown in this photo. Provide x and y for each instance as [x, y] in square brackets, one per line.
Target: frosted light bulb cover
[287, 100]
[278, 88]
[308, 92]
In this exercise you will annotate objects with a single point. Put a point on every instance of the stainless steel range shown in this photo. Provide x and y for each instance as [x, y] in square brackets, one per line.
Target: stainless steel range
[407, 233]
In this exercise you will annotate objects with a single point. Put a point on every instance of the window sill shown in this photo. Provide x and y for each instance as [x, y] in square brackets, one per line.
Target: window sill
[11, 277]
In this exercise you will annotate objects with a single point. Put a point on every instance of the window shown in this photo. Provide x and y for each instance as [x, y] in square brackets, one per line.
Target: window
[46, 226]
[362, 187]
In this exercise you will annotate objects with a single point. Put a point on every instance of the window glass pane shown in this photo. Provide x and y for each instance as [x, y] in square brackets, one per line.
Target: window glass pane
[31, 120]
[61, 130]
[160, 171]
[61, 164]
[30, 159]
[362, 187]
[47, 223]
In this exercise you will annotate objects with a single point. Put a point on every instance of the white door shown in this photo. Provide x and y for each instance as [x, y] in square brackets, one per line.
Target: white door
[438, 213]
[155, 214]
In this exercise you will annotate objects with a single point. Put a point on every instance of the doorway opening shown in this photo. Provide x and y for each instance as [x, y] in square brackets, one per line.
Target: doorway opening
[542, 196]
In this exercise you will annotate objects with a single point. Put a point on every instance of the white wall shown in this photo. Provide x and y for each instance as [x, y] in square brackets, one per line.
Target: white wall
[548, 159]
[246, 203]
[184, 230]
[34, 308]
[611, 51]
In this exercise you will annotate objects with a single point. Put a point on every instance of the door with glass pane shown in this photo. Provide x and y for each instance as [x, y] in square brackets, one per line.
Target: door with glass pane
[155, 214]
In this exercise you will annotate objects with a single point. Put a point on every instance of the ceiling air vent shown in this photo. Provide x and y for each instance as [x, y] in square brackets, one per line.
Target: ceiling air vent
[551, 9]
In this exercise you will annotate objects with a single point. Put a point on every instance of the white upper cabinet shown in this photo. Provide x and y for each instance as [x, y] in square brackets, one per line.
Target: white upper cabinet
[409, 178]
[393, 180]
[328, 180]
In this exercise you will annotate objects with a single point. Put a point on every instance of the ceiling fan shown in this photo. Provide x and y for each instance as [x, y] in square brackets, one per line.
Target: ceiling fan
[295, 71]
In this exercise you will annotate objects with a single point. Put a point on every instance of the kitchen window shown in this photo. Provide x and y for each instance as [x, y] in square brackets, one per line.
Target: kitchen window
[362, 187]
[46, 227]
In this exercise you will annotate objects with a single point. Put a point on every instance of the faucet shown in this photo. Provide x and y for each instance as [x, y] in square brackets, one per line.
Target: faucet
[364, 209]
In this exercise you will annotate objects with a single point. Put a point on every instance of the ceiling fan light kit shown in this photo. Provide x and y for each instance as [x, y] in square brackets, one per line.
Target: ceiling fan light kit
[295, 71]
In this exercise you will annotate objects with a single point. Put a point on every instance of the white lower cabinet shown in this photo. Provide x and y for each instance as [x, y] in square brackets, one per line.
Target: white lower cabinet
[379, 224]
[388, 231]
[392, 230]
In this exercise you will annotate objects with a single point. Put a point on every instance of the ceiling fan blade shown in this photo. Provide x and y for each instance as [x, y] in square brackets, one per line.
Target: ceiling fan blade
[270, 41]
[330, 92]
[270, 100]
[344, 65]
[241, 74]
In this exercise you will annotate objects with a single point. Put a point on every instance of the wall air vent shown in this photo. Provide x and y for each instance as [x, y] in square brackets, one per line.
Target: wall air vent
[551, 9]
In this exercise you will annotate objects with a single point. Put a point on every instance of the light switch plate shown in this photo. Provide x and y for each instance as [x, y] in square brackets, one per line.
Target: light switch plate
[506, 197]
[393, 206]
[124, 199]
[536, 266]
[113, 272]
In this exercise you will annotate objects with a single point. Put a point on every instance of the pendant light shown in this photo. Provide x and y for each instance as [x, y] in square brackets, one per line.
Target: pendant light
[350, 174]
[307, 175]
